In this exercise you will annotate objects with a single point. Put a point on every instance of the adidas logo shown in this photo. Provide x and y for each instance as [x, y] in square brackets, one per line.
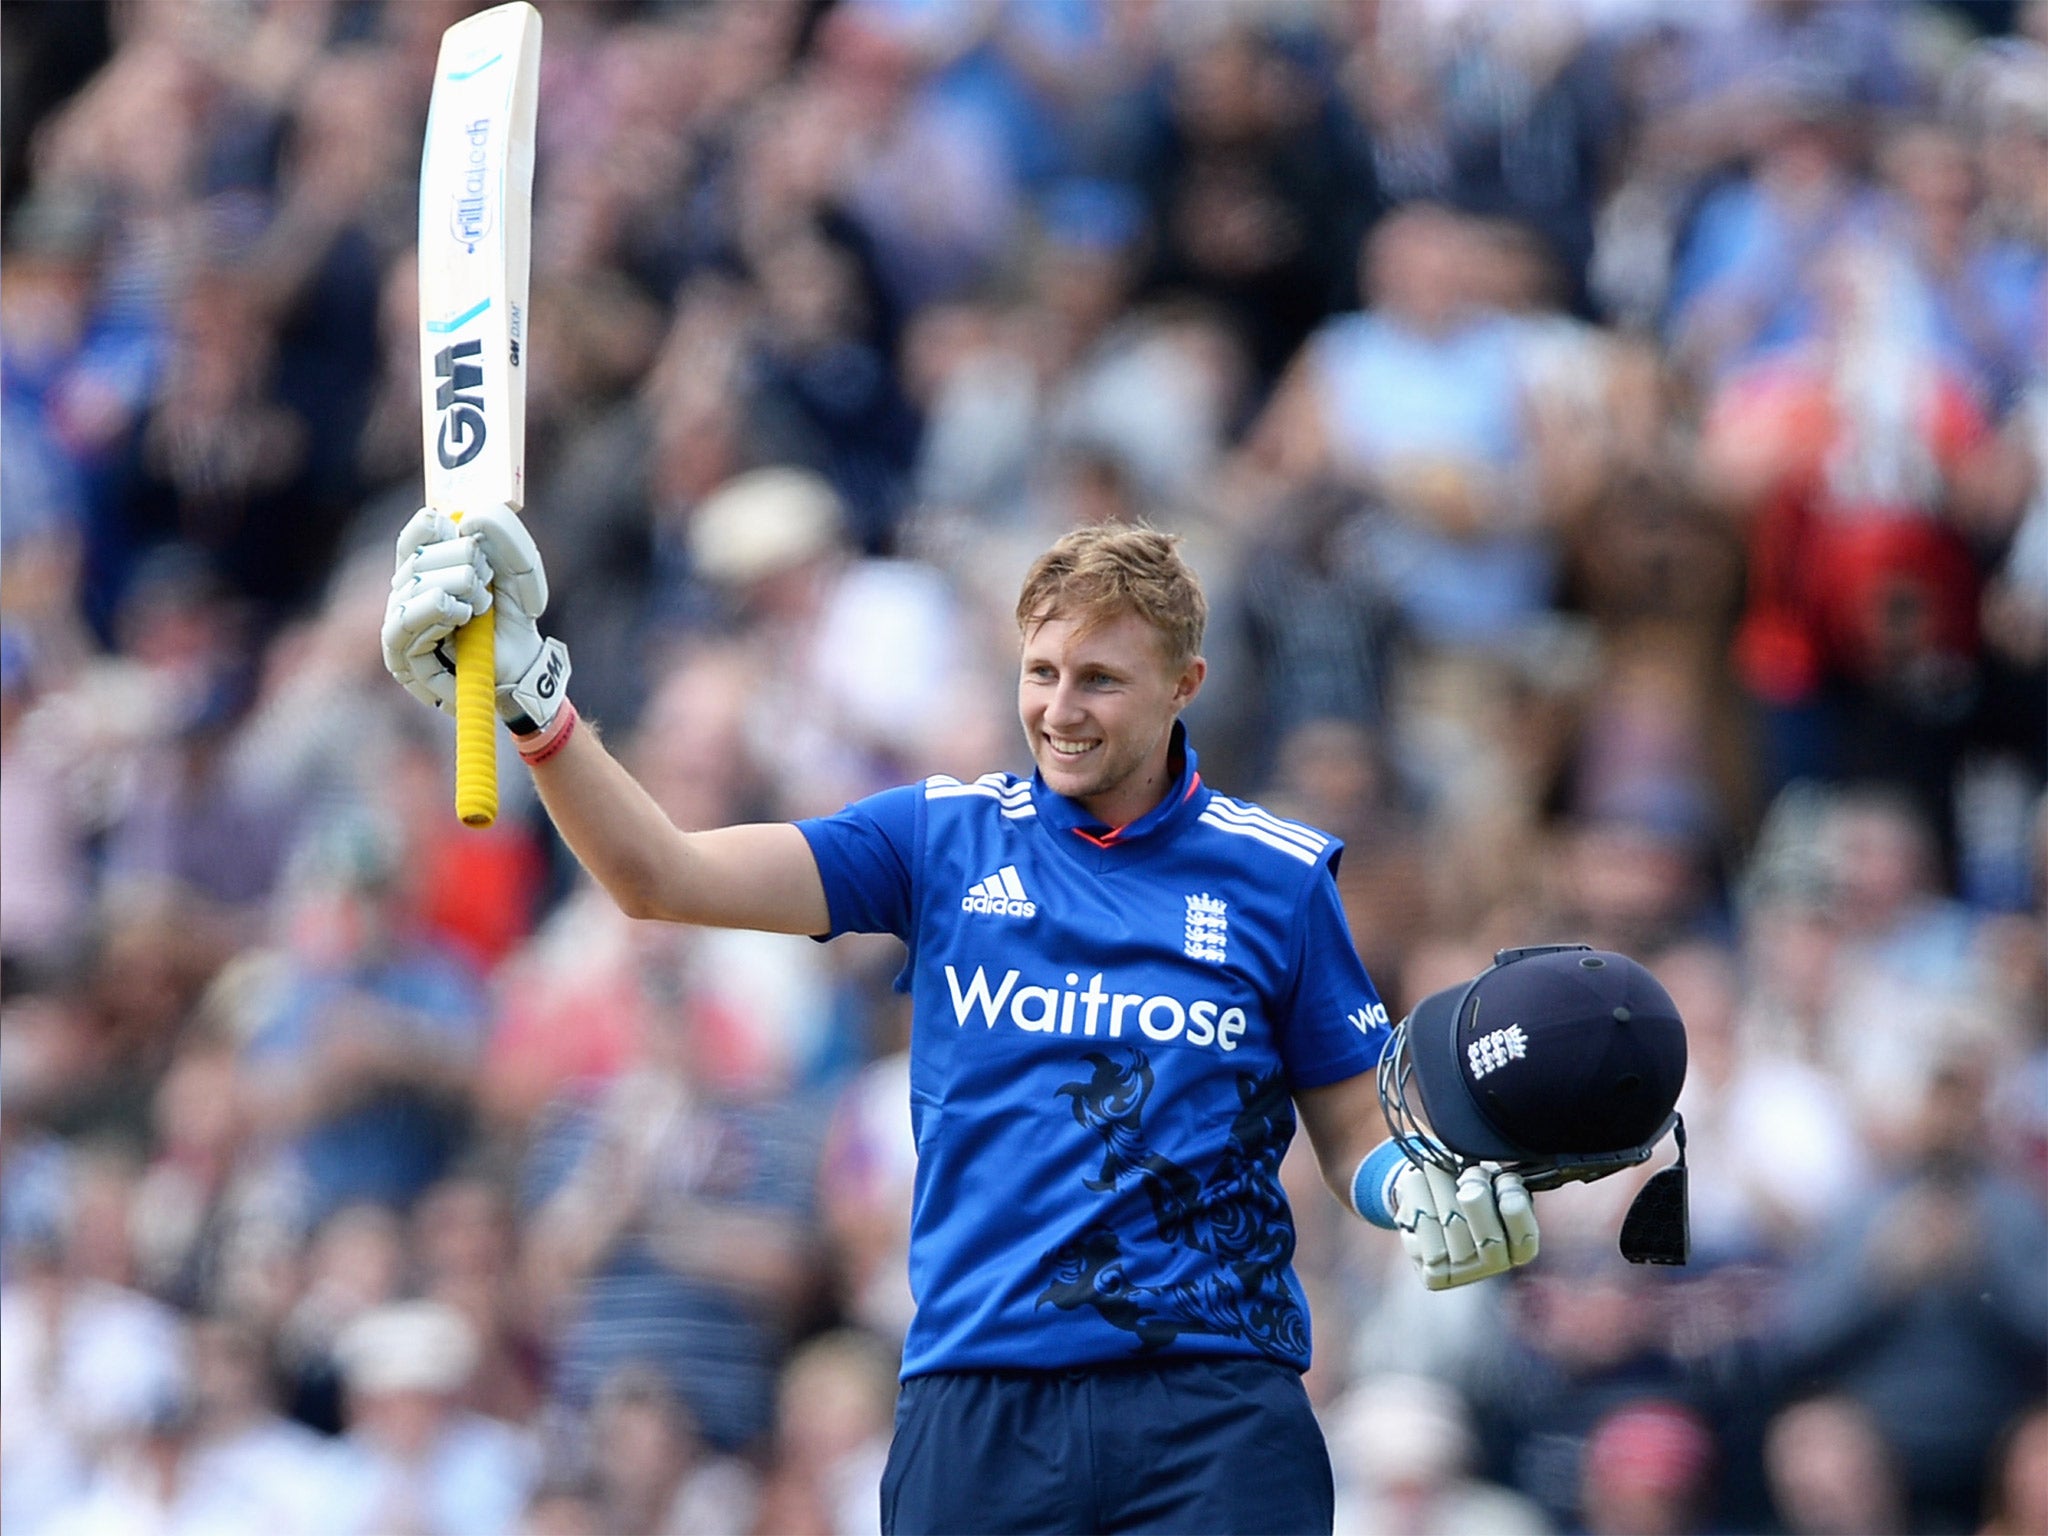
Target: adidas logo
[1000, 895]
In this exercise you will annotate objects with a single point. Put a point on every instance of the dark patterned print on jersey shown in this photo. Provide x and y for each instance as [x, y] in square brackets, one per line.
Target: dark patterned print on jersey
[1237, 1216]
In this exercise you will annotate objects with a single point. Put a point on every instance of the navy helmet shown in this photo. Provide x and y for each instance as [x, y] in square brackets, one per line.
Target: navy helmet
[1560, 1062]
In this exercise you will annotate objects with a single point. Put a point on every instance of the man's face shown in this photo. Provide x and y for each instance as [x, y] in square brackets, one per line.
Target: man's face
[1098, 708]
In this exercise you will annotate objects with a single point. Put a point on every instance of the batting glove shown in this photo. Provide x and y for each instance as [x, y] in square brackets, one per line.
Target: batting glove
[447, 574]
[1455, 1231]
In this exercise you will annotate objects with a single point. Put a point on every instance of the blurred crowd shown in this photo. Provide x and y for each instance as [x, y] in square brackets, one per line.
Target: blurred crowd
[1612, 433]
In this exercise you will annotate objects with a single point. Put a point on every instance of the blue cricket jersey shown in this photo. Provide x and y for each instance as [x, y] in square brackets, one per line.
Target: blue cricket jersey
[1106, 1030]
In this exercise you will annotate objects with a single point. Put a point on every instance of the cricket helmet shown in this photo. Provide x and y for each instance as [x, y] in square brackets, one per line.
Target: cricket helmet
[1560, 1062]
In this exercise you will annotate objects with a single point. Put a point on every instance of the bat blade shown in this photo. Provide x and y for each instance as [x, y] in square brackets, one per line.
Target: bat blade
[475, 222]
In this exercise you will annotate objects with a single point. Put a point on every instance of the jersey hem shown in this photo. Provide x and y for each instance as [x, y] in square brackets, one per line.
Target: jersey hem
[1039, 1365]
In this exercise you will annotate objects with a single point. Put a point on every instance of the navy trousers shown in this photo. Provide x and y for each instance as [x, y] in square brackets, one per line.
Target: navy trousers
[1209, 1446]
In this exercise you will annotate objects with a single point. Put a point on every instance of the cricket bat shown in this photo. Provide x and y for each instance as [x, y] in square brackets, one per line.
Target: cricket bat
[476, 216]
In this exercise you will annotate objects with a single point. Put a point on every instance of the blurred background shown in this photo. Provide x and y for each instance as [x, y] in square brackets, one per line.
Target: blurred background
[1612, 433]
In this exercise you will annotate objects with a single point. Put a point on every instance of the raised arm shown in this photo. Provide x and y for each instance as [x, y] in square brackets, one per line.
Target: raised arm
[761, 876]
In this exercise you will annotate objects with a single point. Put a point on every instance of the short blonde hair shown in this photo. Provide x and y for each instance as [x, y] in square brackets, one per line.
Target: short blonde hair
[1098, 574]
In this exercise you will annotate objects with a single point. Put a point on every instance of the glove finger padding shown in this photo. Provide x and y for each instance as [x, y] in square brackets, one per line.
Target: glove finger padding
[1459, 1245]
[456, 566]
[436, 687]
[512, 560]
[1518, 1218]
[415, 624]
[432, 593]
[420, 619]
[424, 527]
[1421, 1229]
[456, 586]
[1481, 1210]
[1455, 1232]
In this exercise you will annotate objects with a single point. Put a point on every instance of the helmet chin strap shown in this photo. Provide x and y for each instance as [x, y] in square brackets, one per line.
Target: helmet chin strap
[1658, 1227]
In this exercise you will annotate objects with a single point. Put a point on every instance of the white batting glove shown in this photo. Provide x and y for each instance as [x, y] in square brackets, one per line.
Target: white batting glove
[448, 573]
[1483, 1223]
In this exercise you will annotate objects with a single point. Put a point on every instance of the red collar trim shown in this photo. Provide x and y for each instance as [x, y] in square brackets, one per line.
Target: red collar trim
[1110, 838]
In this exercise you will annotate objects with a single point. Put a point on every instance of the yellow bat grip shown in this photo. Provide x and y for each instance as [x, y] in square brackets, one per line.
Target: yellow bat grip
[476, 721]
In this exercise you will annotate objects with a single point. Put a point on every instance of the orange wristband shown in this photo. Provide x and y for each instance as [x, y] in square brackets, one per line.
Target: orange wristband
[546, 742]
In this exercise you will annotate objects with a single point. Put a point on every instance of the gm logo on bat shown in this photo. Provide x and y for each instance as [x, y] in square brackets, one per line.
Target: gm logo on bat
[460, 400]
[471, 218]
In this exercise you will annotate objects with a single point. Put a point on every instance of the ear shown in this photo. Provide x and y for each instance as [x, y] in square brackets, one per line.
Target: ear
[1189, 683]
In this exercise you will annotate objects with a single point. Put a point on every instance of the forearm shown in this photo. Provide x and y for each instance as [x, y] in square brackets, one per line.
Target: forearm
[611, 823]
[755, 1255]
[762, 877]
[579, 1227]
[1344, 1124]
[1456, 1227]
[736, 877]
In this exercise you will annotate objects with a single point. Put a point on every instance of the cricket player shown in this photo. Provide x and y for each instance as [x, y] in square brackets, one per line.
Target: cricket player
[1126, 988]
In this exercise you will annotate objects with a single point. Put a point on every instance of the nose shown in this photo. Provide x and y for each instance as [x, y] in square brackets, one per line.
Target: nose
[1064, 707]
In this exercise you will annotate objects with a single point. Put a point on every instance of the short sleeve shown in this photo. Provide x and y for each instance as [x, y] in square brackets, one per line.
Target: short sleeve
[1335, 1025]
[866, 855]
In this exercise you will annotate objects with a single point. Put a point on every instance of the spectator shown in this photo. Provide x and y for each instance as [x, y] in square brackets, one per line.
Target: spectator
[1927, 1306]
[652, 1470]
[865, 1178]
[1832, 1473]
[823, 391]
[412, 1459]
[1881, 859]
[1418, 398]
[1586, 1339]
[834, 1415]
[1334, 773]
[859, 663]
[929, 183]
[195, 817]
[1747, 282]
[1851, 460]
[148, 1480]
[1243, 165]
[43, 831]
[2017, 1498]
[1648, 1471]
[1897, 938]
[85, 1361]
[1319, 624]
[218, 1459]
[186, 1201]
[464, 1242]
[668, 1227]
[354, 1264]
[359, 1071]
[1984, 291]
[1778, 1132]
[1403, 1451]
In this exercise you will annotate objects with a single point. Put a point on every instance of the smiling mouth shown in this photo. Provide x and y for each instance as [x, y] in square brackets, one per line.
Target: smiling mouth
[1068, 751]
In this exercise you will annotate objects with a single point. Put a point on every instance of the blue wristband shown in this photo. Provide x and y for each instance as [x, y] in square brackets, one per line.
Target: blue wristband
[1372, 1186]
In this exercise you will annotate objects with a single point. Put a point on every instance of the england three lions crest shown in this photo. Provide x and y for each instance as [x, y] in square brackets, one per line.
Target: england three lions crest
[1208, 930]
